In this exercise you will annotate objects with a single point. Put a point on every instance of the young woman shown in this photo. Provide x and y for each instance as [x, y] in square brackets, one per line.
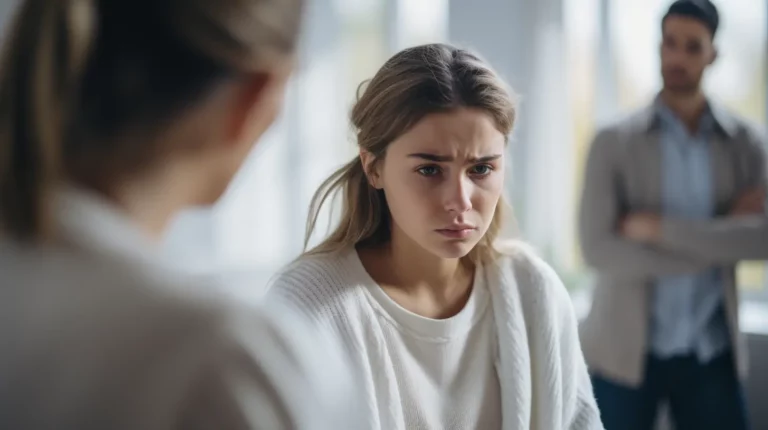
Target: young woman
[114, 115]
[449, 328]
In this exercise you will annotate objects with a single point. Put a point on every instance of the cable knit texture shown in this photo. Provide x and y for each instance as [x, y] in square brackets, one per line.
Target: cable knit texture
[541, 369]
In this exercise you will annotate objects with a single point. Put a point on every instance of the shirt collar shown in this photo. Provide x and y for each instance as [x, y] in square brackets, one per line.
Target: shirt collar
[724, 122]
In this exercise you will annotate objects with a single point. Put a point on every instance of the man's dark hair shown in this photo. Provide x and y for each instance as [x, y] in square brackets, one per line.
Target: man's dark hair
[702, 10]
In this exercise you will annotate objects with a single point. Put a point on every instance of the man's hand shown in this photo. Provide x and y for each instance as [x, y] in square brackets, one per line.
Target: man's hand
[641, 227]
[751, 202]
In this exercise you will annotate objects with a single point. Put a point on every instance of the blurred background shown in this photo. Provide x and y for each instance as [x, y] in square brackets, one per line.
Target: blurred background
[575, 64]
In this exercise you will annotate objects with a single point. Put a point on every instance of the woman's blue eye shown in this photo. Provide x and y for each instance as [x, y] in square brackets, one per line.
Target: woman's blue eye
[481, 170]
[429, 170]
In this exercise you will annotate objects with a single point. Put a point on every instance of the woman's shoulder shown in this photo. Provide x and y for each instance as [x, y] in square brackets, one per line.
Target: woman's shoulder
[536, 280]
[315, 281]
[552, 328]
[315, 272]
[523, 257]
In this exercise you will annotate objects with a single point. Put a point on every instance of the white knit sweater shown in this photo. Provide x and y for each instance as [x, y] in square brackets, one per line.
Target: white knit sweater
[541, 369]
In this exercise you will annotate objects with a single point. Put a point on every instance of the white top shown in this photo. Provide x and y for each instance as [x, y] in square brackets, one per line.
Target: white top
[445, 369]
[97, 333]
[543, 381]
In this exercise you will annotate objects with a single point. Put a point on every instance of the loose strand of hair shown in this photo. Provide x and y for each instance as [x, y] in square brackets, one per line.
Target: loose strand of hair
[327, 190]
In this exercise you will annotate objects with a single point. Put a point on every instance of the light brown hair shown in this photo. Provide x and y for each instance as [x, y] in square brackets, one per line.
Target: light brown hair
[77, 75]
[414, 83]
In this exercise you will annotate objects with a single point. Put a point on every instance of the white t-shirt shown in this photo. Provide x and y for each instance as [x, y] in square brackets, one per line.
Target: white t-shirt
[445, 369]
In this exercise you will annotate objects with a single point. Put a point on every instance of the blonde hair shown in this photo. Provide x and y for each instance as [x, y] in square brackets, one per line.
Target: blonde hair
[77, 75]
[414, 83]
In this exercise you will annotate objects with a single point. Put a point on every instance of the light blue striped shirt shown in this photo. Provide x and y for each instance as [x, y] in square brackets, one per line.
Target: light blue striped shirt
[687, 315]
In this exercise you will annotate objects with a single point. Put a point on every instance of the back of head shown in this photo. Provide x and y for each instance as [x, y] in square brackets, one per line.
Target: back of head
[80, 80]
[95, 345]
[413, 84]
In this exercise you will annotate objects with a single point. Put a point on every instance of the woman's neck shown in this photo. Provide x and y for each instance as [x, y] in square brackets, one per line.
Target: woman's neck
[416, 268]
[149, 212]
[418, 280]
[151, 201]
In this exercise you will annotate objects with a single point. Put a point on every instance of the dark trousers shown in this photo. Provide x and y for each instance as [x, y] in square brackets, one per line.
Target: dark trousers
[700, 396]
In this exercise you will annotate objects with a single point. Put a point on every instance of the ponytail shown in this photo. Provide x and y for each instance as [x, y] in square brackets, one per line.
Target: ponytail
[41, 68]
[365, 215]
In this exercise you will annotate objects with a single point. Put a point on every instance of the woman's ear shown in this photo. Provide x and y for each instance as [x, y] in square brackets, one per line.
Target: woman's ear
[370, 168]
[248, 102]
[256, 101]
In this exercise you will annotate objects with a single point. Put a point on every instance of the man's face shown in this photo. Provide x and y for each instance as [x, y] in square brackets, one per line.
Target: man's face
[686, 51]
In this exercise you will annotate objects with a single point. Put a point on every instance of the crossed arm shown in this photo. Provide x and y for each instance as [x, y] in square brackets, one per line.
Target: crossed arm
[741, 235]
[648, 245]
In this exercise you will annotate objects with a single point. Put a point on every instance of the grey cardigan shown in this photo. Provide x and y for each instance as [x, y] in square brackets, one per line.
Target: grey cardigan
[623, 175]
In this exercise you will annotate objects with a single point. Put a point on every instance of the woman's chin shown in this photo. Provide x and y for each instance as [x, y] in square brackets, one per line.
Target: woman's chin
[453, 249]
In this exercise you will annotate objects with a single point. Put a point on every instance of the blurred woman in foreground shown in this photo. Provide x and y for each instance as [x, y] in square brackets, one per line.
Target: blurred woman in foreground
[114, 116]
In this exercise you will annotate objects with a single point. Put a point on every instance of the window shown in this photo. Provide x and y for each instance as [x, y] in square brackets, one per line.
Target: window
[581, 27]
[419, 22]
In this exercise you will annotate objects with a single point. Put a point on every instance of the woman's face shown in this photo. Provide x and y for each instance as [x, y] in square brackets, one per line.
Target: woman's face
[443, 179]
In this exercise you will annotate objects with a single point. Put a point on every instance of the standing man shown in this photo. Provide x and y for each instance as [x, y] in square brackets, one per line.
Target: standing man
[673, 199]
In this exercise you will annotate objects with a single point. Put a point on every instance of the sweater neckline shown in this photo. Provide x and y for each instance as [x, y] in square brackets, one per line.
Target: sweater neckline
[440, 330]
